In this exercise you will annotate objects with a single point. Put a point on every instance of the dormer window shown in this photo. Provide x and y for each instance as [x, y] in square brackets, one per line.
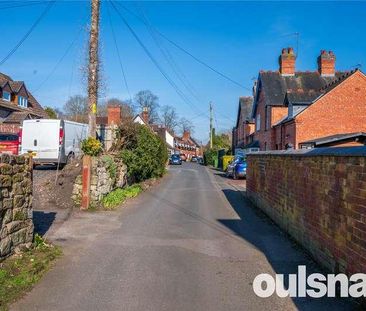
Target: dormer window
[22, 102]
[6, 96]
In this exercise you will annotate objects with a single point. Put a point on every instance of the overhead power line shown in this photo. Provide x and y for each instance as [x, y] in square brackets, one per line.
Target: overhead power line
[168, 57]
[60, 60]
[19, 5]
[156, 63]
[118, 54]
[38, 20]
[189, 53]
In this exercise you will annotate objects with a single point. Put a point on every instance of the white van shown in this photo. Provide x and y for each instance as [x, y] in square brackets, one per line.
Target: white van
[51, 140]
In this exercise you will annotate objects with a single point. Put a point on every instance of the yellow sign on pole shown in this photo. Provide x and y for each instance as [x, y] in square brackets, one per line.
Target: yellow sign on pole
[94, 108]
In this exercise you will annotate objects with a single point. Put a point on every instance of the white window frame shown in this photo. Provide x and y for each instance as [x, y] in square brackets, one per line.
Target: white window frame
[258, 122]
[7, 99]
[22, 102]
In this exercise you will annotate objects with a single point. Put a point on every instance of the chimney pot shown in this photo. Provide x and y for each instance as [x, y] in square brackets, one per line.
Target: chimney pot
[145, 114]
[114, 115]
[287, 62]
[326, 63]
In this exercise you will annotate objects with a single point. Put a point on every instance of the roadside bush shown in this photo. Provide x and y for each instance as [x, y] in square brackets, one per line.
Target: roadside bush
[91, 146]
[144, 153]
[208, 156]
[118, 196]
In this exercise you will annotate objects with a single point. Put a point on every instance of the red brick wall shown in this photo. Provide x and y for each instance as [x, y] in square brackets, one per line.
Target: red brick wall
[9, 128]
[340, 111]
[320, 200]
[114, 115]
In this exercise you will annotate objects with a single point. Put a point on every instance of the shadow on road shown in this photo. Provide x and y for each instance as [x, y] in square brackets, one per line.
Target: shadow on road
[43, 221]
[282, 253]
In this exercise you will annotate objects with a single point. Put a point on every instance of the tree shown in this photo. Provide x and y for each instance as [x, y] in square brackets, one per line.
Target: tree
[148, 99]
[50, 112]
[186, 125]
[76, 108]
[144, 153]
[169, 117]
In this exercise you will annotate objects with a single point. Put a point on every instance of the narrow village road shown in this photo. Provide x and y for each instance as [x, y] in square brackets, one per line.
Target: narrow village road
[190, 243]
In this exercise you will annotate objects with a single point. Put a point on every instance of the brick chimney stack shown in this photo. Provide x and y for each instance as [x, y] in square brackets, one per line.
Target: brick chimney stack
[114, 115]
[287, 62]
[145, 115]
[326, 63]
[186, 135]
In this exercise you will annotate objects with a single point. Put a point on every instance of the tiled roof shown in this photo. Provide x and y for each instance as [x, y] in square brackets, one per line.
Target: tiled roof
[340, 78]
[245, 108]
[301, 97]
[17, 117]
[102, 120]
[275, 85]
[335, 138]
[33, 106]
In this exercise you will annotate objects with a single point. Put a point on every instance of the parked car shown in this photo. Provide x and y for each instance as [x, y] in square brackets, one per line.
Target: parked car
[175, 159]
[200, 160]
[194, 159]
[237, 168]
[183, 157]
[52, 141]
[9, 143]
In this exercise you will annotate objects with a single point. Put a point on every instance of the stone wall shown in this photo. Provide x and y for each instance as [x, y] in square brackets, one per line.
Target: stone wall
[319, 198]
[16, 224]
[108, 173]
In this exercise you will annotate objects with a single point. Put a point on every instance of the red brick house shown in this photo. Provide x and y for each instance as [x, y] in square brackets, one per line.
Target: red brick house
[16, 105]
[291, 107]
[244, 123]
[187, 146]
[339, 110]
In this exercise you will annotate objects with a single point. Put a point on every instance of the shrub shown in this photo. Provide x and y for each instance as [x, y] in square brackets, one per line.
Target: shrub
[209, 155]
[111, 166]
[91, 146]
[118, 196]
[144, 153]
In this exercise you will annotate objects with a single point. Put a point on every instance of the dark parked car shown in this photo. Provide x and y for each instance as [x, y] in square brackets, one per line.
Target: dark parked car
[200, 160]
[175, 160]
[9, 143]
[237, 168]
[194, 159]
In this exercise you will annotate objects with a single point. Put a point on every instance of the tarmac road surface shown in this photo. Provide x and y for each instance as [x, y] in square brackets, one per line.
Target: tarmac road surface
[190, 243]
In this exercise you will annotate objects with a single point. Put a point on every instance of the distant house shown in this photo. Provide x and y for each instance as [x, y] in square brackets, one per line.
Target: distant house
[16, 105]
[165, 134]
[244, 124]
[291, 107]
[187, 145]
[143, 117]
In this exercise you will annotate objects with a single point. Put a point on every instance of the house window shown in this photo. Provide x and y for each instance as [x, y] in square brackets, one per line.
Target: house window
[258, 122]
[6, 96]
[22, 102]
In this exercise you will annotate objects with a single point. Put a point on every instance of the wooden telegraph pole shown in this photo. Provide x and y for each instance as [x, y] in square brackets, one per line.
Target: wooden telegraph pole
[93, 68]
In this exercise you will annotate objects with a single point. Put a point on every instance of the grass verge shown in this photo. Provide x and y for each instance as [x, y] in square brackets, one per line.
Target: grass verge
[19, 273]
[113, 199]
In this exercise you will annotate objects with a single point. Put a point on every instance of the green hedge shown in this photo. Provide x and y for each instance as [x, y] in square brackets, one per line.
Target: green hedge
[145, 155]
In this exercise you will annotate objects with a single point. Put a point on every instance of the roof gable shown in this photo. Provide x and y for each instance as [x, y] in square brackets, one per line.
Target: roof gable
[330, 87]
[275, 86]
[244, 108]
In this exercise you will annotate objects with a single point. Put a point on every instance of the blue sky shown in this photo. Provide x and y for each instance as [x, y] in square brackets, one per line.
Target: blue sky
[237, 38]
